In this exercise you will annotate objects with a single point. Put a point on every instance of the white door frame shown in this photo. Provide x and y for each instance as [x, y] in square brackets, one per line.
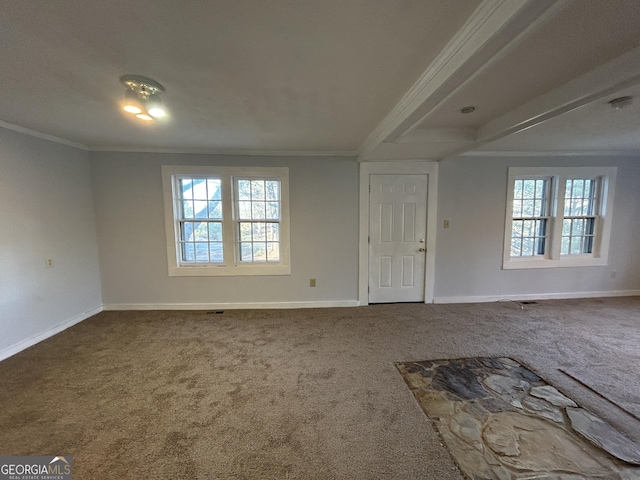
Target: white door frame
[399, 168]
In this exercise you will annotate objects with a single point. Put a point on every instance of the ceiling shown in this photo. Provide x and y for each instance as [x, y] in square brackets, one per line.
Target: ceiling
[381, 79]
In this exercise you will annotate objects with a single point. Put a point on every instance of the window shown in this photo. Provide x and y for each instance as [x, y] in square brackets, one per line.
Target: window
[558, 217]
[227, 221]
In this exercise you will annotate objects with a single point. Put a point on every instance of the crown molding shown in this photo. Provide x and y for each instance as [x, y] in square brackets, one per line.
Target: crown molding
[552, 153]
[44, 136]
[229, 152]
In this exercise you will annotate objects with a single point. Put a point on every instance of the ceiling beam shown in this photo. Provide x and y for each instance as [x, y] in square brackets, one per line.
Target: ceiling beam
[493, 26]
[613, 76]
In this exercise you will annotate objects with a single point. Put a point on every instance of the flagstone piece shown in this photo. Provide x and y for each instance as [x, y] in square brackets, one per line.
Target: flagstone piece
[510, 389]
[543, 446]
[543, 408]
[458, 380]
[501, 421]
[603, 435]
[551, 395]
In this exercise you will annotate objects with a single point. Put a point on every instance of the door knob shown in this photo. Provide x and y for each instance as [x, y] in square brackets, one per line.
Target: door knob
[421, 249]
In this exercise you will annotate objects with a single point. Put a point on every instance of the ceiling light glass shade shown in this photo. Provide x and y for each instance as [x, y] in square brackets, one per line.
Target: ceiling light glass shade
[142, 97]
[154, 106]
[131, 102]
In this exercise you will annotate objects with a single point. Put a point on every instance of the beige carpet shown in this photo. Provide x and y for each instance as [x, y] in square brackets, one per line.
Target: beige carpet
[277, 394]
[620, 387]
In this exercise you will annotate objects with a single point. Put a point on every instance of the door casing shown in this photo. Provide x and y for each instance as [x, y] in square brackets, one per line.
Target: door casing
[400, 167]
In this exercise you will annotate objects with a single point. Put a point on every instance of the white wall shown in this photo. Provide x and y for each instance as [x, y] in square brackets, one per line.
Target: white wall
[46, 211]
[472, 196]
[133, 256]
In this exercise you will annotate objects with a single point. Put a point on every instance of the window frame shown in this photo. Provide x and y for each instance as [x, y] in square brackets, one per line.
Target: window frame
[231, 265]
[558, 177]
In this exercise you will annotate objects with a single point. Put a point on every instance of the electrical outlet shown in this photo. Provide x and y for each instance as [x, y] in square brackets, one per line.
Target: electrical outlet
[48, 262]
[446, 224]
[312, 282]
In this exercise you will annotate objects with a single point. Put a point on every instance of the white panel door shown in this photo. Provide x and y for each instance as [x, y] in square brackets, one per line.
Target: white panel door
[397, 233]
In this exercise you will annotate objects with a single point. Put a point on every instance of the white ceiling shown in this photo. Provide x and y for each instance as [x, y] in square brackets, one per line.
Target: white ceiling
[384, 79]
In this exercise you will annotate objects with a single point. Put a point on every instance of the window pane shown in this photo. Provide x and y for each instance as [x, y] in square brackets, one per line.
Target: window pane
[577, 227]
[273, 252]
[564, 249]
[260, 252]
[199, 189]
[244, 190]
[258, 211]
[527, 247]
[517, 190]
[245, 231]
[185, 188]
[516, 247]
[259, 232]
[186, 229]
[202, 252]
[257, 190]
[188, 252]
[214, 189]
[244, 212]
[528, 188]
[566, 227]
[575, 245]
[516, 228]
[187, 209]
[215, 252]
[201, 233]
[540, 189]
[528, 229]
[527, 208]
[541, 230]
[215, 209]
[517, 208]
[272, 188]
[245, 252]
[200, 209]
[215, 232]
[578, 189]
[273, 211]
[273, 232]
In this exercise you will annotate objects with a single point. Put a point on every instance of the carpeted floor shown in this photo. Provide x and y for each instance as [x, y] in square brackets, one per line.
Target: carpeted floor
[277, 394]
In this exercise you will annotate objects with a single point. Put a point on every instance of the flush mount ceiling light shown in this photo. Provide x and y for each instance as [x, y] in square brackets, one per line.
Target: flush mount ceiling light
[142, 97]
[469, 109]
[620, 102]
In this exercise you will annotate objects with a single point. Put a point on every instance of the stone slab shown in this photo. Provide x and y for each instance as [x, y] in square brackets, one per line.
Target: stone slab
[603, 435]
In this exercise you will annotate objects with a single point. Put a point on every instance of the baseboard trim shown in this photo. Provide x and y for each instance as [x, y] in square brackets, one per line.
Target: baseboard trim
[229, 306]
[24, 344]
[536, 296]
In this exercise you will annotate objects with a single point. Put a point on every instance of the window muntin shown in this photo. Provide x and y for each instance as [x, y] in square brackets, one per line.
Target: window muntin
[558, 216]
[227, 220]
[530, 217]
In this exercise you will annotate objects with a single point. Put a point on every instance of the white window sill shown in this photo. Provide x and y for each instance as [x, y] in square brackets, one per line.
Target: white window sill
[229, 271]
[572, 261]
